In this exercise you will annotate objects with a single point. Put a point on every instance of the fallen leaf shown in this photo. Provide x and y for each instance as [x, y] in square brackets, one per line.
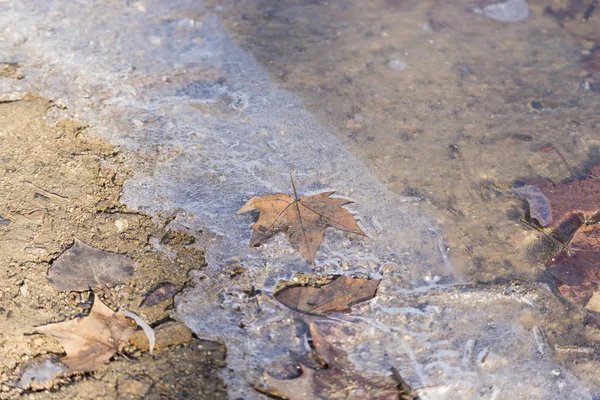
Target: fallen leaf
[164, 292]
[302, 219]
[539, 205]
[338, 380]
[571, 210]
[82, 266]
[578, 265]
[92, 340]
[337, 296]
[553, 204]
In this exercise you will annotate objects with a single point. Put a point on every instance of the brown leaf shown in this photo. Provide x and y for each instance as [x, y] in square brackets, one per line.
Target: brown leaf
[82, 266]
[337, 296]
[164, 292]
[91, 341]
[303, 220]
[580, 199]
[578, 266]
[338, 381]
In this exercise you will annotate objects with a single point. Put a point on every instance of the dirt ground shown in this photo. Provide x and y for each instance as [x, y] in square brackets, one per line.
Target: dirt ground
[57, 185]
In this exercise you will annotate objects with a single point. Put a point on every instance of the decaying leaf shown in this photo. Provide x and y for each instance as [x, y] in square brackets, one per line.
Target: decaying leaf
[163, 292]
[302, 219]
[554, 203]
[337, 296]
[92, 340]
[578, 266]
[539, 205]
[338, 380]
[82, 266]
[571, 210]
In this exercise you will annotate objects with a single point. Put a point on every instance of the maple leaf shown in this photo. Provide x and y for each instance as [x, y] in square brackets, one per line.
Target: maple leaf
[337, 381]
[302, 219]
[92, 340]
[337, 296]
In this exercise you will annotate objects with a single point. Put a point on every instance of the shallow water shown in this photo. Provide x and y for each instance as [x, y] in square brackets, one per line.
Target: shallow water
[414, 109]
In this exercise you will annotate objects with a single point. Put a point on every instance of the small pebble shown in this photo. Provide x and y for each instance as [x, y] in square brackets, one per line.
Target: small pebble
[397, 64]
[508, 11]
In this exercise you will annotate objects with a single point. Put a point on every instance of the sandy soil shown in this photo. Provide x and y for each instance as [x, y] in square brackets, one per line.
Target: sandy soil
[57, 185]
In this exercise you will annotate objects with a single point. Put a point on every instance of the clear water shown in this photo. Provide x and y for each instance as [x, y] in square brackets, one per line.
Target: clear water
[411, 108]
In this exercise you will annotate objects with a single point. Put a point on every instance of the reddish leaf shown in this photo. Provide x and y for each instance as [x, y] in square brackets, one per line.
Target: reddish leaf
[164, 292]
[338, 380]
[571, 210]
[337, 296]
[580, 198]
[578, 267]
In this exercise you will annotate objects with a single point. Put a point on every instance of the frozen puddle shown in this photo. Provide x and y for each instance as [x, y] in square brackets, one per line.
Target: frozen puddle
[206, 130]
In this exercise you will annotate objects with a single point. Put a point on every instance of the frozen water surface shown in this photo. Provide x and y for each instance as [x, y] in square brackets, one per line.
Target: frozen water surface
[206, 126]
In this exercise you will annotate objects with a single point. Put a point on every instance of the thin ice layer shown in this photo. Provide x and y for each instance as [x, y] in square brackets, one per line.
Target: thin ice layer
[207, 130]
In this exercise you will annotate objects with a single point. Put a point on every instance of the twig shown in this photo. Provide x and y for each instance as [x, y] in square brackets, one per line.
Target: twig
[47, 192]
[548, 149]
[588, 12]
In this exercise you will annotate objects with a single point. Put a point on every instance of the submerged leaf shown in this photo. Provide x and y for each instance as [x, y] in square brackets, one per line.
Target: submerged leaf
[92, 340]
[578, 266]
[580, 199]
[337, 296]
[82, 266]
[338, 380]
[303, 220]
[539, 205]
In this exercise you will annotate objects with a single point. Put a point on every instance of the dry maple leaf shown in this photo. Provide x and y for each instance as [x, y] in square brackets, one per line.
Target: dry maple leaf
[302, 219]
[337, 381]
[337, 296]
[92, 340]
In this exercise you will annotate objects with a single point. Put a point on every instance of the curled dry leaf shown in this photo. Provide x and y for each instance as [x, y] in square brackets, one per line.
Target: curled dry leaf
[92, 340]
[337, 296]
[82, 266]
[338, 380]
[148, 331]
[302, 219]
